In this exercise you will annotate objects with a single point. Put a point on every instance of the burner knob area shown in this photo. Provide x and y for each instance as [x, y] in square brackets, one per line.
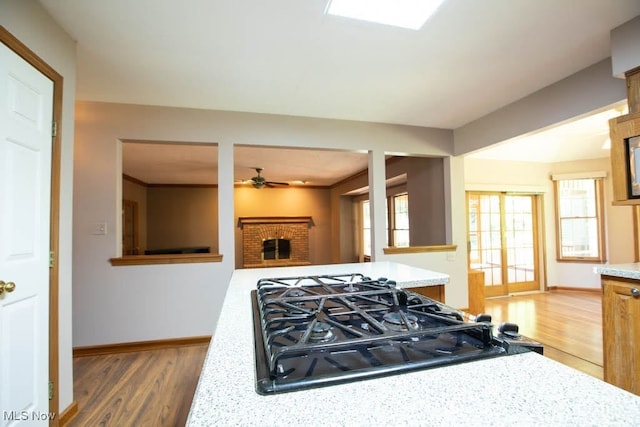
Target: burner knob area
[483, 318]
[509, 329]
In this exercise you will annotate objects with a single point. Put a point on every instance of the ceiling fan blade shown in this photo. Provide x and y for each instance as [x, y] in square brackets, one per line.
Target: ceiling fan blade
[272, 183]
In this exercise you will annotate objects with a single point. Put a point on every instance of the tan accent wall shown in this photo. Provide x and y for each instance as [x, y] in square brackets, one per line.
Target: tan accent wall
[179, 217]
[283, 202]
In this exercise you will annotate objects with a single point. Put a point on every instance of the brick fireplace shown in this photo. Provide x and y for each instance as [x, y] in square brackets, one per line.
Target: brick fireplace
[275, 241]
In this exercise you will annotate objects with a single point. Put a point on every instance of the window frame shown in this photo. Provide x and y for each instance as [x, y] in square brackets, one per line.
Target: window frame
[364, 230]
[599, 217]
[392, 222]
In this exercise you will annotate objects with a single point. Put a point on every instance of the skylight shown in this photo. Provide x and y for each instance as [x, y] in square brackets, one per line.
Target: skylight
[410, 14]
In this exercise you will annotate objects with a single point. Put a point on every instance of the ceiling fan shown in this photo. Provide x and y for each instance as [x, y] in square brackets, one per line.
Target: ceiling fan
[259, 181]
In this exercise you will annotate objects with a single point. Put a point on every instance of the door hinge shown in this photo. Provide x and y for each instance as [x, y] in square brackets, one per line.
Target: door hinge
[50, 390]
[52, 258]
[54, 129]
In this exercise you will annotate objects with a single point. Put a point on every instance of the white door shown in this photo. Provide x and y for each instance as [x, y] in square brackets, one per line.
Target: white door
[26, 108]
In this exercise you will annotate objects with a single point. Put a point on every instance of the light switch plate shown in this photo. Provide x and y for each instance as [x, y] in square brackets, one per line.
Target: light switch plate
[100, 229]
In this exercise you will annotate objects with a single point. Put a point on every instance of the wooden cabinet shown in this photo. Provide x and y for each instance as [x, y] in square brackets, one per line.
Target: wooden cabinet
[434, 292]
[621, 332]
[476, 292]
[623, 131]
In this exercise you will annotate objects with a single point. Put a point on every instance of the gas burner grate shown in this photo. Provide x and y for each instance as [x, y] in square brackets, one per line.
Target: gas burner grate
[320, 330]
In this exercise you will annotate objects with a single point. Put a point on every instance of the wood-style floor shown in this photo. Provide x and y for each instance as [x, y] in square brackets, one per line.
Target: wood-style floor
[568, 323]
[145, 388]
[155, 388]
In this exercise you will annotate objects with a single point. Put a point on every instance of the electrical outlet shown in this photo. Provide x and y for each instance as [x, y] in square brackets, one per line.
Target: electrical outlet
[100, 229]
[451, 256]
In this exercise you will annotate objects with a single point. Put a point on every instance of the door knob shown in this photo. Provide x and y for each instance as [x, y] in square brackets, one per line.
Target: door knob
[6, 287]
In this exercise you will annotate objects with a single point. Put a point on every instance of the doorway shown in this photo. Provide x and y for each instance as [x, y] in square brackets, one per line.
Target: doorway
[130, 228]
[502, 240]
[50, 216]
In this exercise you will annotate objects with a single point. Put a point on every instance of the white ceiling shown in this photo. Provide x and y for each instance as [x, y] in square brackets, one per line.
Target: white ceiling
[287, 57]
[182, 163]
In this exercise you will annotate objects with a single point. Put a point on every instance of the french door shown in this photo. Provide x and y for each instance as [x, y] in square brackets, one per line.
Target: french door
[502, 239]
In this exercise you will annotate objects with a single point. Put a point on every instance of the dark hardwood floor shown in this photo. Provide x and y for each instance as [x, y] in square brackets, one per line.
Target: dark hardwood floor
[155, 388]
[145, 388]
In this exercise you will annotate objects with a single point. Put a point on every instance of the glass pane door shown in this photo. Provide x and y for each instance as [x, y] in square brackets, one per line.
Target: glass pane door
[519, 213]
[485, 240]
[502, 241]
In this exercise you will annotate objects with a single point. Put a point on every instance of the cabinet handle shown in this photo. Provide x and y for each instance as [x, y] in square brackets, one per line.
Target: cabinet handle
[635, 292]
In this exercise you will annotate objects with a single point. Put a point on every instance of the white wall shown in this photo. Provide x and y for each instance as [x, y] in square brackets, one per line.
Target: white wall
[125, 304]
[493, 175]
[33, 26]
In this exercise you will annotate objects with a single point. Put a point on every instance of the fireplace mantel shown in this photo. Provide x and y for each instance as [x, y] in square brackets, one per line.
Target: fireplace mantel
[275, 220]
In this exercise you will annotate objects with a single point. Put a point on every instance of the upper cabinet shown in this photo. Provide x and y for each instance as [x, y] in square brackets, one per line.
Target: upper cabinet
[625, 147]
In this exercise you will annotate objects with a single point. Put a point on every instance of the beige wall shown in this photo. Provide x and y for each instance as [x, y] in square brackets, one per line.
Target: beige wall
[493, 175]
[618, 219]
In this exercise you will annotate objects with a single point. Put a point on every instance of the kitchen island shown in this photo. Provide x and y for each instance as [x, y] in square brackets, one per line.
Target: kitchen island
[521, 389]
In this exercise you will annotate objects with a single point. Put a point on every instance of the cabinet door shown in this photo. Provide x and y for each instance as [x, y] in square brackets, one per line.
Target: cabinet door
[621, 334]
[433, 292]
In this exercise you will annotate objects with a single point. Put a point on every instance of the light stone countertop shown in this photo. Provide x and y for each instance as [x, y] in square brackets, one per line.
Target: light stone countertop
[626, 271]
[523, 389]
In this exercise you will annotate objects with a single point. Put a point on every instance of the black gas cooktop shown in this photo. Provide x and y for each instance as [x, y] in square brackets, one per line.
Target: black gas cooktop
[313, 331]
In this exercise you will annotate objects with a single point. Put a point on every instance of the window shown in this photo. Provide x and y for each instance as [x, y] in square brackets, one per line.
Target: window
[399, 220]
[366, 229]
[579, 219]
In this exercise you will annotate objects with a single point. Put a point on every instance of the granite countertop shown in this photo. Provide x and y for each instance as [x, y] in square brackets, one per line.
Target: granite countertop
[523, 389]
[627, 271]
